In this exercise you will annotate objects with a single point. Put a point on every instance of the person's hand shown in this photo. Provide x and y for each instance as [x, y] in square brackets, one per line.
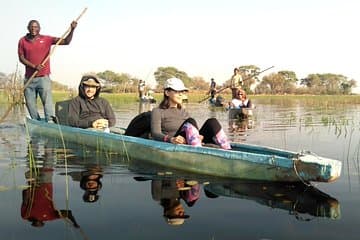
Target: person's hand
[73, 25]
[201, 138]
[178, 140]
[100, 123]
[39, 67]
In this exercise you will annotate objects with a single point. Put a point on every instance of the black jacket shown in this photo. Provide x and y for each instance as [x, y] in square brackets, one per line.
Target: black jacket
[84, 111]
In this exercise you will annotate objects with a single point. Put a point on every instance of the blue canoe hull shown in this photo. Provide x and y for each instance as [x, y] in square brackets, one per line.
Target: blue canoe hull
[244, 161]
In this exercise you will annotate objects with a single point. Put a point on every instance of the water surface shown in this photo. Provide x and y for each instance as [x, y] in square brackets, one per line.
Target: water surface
[125, 202]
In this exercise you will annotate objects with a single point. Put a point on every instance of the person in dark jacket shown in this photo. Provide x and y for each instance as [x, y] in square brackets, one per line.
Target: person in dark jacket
[88, 110]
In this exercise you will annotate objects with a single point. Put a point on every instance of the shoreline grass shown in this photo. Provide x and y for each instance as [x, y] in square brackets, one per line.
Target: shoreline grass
[196, 97]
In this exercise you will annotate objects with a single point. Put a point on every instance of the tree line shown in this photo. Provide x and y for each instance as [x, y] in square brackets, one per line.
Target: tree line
[281, 82]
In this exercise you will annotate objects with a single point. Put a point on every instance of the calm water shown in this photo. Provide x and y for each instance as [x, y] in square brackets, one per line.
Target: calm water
[126, 202]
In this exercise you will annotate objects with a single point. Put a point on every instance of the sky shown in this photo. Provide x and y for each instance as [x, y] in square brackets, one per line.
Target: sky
[206, 38]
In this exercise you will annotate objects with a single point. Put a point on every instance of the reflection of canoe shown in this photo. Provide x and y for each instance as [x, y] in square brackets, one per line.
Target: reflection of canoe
[295, 198]
[243, 161]
[240, 113]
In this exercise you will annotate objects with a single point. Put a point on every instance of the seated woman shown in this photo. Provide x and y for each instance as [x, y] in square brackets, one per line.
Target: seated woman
[170, 122]
[240, 100]
[88, 110]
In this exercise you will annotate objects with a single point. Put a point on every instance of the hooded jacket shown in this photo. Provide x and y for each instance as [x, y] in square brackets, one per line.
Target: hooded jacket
[83, 111]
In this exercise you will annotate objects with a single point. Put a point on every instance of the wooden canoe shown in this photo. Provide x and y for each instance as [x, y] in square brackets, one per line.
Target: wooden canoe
[244, 161]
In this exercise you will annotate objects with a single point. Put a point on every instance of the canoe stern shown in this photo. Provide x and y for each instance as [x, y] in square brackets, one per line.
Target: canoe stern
[325, 169]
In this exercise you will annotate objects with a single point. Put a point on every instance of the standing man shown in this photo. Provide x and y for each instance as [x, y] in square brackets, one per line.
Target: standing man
[236, 82]
[33, 48]
[212, 90]
[141, 89]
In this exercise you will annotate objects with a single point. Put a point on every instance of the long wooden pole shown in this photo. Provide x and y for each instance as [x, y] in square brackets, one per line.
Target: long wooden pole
[222, 89]
[43, 62]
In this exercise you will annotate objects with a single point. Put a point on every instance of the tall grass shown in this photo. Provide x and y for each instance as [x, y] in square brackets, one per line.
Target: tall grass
[194, 97]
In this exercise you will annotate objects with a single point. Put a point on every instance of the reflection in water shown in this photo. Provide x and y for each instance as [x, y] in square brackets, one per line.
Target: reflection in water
[90, 181]
[122, 205]
[37, 200]
[169, 192]
[238, 129]
[303, 202]
[295, 198]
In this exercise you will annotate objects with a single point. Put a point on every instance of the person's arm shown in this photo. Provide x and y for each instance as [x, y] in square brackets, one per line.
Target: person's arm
[74, 115]
[232, 81]
[109, 113]
[23, 60]
[27, 63]
[68, 38]
[156, 126]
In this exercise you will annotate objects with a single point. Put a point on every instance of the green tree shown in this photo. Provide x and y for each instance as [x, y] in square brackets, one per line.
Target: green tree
[112, 77]
[275, 83]
[249, 75]
[328, 83]
[290, 81]
[200, 84]
[347, 86]
[262, 88]
[290, 76]
[117, 82]
[278, 83]
[164, 73]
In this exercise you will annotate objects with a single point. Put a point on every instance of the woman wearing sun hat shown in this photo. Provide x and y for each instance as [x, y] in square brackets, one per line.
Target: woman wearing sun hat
[170, 122]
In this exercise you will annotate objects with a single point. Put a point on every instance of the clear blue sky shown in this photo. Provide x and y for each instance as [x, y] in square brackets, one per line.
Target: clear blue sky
[205, 38]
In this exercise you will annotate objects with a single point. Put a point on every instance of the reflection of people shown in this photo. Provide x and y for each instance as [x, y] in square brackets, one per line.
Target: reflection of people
[141, 88]
[90, 182]
[239, 126]
[170, 122]
[38, 206]
[169, 193]
[236, 81]
[88, 110]
[240, 100]
[33, 49]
